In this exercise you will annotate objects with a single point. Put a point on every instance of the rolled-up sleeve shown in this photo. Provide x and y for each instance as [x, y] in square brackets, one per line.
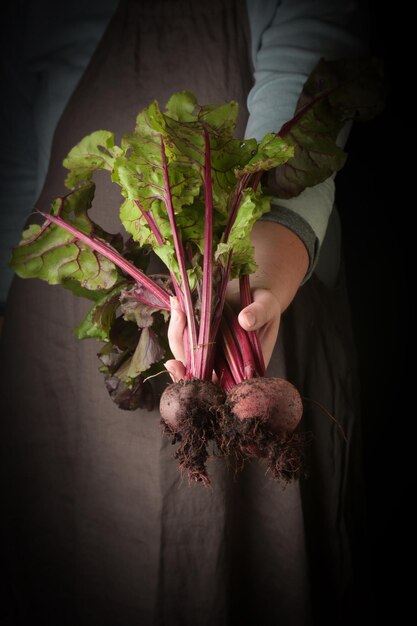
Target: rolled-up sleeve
[289, 37]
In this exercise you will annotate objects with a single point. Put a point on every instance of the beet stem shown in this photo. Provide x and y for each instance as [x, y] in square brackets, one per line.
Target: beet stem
[226, 380]
[246, 300]
[107, 251]
[203, 368]
[241, 343]
[191, 323]
[147, 215]
[231, 352]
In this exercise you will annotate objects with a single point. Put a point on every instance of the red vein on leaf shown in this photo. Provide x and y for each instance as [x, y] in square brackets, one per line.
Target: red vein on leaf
[160, 294]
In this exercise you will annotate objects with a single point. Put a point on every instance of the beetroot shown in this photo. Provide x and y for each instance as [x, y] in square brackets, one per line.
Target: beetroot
[189, 413]
[259, 419]
[274, 402]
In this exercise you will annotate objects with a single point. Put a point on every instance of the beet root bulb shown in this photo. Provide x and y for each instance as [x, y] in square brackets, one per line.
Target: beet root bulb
[189, 412]
[274, 402]
[259, 419]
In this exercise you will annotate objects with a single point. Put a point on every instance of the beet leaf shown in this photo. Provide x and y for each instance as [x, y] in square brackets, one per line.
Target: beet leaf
[335, 92]
[50, 253]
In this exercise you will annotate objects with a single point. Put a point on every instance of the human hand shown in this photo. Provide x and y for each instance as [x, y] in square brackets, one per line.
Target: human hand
[282, 262]
[176, 327]
[263, 315]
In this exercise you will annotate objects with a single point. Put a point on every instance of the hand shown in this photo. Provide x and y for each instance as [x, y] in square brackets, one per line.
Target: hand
[263, 315]
[176, 367]
[282, 262]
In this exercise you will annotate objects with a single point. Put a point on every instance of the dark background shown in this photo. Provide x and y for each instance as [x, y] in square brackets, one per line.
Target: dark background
[375, 195]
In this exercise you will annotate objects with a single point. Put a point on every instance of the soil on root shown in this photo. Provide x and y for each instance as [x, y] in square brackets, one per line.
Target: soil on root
[195, 427]
[241, 440]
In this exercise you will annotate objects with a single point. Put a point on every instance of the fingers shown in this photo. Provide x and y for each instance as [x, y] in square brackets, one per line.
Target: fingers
[263, 315]
[176, 330]
[175, 369]
[176, 327]
[265, 308]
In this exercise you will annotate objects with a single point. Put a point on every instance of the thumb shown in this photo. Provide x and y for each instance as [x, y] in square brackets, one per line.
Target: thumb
[176, 328]
[263, 309]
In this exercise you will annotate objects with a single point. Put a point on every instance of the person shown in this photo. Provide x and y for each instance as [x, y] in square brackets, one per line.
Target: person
[100, 527]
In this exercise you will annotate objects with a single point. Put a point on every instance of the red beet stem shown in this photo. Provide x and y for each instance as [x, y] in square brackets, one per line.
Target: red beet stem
[191, 323]
[107, 251]
[241, 343]
[203, 367]
[246, 300]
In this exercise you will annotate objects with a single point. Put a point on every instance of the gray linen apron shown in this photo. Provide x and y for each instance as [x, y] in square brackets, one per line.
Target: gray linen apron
[100, 527]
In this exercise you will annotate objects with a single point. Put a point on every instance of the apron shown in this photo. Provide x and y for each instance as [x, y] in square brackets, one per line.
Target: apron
[100, 527]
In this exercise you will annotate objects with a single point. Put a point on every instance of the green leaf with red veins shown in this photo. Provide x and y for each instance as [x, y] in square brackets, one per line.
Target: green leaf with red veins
[97, 151]
[252, 207]
[135, 223]
[136, 348]
[52, 254]
[100, 318]
[355, 87]
[336, 91]
[130, 395]
[220, 119]
[227, 153]
[270, 152]
[139, 172]
[143, 180]
[127, 393]
[182, 106]
[148, 352]
[81, 292]
[134, 311]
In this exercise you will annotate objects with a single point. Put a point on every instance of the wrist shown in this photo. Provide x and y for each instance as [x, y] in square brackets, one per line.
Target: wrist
[282, 261]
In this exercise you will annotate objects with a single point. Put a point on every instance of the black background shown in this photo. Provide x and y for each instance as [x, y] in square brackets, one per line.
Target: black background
[376, 198]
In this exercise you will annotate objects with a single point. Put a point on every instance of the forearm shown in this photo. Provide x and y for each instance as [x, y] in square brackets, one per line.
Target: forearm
[282, 261]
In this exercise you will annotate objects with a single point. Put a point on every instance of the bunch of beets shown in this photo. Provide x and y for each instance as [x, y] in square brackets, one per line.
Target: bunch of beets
[191, 193]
